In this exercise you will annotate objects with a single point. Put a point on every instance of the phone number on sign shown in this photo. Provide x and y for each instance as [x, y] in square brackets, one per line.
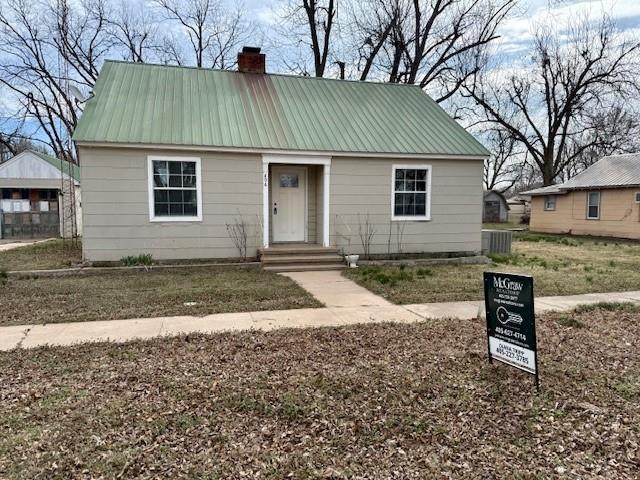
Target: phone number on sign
[510, 333]
[512, 354]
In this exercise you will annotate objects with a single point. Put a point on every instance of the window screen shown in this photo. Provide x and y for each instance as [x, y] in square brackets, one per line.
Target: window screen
[593, 205]
[410, 192]
[175, 191]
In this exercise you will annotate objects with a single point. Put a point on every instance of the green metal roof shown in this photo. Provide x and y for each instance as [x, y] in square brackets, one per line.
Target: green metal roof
[56, 162]
[156, 104]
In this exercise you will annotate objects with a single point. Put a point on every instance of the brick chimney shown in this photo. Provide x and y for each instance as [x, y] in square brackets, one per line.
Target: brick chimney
[250, 60]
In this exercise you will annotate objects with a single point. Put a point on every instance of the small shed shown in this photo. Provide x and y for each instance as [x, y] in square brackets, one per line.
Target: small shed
[519, 208]
[494, 207]
[39, 195]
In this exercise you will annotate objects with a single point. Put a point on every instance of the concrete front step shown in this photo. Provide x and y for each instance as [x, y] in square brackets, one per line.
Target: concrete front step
[298, 250]
[268, 259]
[300, 258]
[300, 267]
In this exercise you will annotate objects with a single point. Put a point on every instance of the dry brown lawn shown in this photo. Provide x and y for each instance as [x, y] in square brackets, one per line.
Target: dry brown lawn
[153, 293]
[373, 401]
[47, 255]
[560, 265]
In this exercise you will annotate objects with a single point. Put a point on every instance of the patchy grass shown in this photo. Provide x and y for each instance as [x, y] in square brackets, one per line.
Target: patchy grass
[119, 295]
[371, 401]
[570, 321]
[560, 265]
[609, 307]
[505, 226]
[47, 255]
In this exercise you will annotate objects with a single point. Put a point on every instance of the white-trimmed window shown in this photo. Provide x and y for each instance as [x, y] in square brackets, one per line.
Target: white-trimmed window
[550, 202]
[593, 205]
[411, 192]
[175, 189]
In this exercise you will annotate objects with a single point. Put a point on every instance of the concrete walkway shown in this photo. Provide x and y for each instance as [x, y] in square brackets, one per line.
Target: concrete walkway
[29, 336]
[10, 244]
[334, 290]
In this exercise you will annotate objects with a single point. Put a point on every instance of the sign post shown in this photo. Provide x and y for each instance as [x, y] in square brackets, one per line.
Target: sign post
[511, 323]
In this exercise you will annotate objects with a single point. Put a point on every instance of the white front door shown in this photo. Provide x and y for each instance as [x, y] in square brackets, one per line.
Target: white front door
[288, 203]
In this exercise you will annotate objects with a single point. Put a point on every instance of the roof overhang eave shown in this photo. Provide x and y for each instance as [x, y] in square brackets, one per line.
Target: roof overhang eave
[602, 187]
[213, 148]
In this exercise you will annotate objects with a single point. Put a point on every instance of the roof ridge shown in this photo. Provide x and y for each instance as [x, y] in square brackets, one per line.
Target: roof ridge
[628, 154]
[278, 74]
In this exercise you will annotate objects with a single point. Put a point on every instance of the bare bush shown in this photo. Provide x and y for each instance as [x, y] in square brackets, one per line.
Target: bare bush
[366, 232]
[238, 233]
[399, 237]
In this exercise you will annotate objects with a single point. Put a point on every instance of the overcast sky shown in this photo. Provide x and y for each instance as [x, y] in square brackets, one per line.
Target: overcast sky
[516, 32]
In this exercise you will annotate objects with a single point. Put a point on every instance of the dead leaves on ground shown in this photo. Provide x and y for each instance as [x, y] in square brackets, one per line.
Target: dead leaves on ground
[376, 401]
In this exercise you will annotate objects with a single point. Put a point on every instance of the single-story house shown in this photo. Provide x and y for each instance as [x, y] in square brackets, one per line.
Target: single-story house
[519, 208]
[603, 200]
[494, 207]
[34, 192]
[180, 162]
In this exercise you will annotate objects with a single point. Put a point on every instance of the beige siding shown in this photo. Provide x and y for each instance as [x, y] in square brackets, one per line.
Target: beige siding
[363, 186]
[319, 204]
[116, 209]
[619, 214]
[312, 195]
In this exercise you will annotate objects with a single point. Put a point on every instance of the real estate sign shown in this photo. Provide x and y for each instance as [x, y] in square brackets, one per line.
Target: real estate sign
[511, 324]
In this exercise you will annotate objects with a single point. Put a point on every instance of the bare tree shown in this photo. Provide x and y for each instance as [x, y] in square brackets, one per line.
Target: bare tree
[214, 32]
[320, 16]
[45, 48]
[615, 130]
[436, 44]
[135, 29]
[308, 26]
[425, 42]
[576, 68]
[503, 168]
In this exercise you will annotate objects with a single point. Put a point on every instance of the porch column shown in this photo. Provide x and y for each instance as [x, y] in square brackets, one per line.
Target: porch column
[326, 184]
[265, 202]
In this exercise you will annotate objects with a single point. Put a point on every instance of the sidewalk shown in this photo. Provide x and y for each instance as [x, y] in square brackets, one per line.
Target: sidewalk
[10, 244]
[30, 336]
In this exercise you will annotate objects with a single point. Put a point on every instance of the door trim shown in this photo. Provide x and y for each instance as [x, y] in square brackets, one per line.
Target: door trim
[266, 187]
[305, 169]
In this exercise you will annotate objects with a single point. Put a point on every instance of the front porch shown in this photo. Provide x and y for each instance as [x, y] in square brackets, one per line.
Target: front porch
[296, 191]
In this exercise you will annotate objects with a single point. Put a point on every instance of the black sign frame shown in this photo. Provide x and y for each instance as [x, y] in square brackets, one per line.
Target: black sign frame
[511, 321]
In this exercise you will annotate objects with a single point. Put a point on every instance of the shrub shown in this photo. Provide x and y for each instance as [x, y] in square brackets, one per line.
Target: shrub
[4, 277]
[135, 260]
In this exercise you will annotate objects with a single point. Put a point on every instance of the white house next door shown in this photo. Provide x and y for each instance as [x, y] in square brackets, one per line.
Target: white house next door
[288, 203]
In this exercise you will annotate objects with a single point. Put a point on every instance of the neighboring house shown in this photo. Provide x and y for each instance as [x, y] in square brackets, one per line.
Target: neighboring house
[34, 193]
[604, 200]
[519, 208]
[494, 207]
[175, 159]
